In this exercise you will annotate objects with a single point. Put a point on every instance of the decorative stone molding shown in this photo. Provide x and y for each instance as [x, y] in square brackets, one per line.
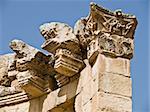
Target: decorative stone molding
[116, 23]
[6, 77]
[67, 62]
[110, 45]
[61, 79]
[13, 99]
[61, 41]
[33, 68]
[88, 68]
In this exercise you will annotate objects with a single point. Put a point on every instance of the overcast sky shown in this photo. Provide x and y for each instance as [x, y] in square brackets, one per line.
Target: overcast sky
[21, 19]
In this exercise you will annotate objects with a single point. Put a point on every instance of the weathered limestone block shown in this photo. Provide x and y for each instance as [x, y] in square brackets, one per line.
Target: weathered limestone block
[104, 102]
[8, 90]
[113, 103]
[31, 84]
[61, 41]
[23, 107]
[113, 65]
[6, 87]
[67, 62]
[112, 75]
[62, 95]
[59, 35]
[30, 58]
[34, 68]
[33, 105]
[61, 79]
[115, 84]
[5, 60]
[12, 99]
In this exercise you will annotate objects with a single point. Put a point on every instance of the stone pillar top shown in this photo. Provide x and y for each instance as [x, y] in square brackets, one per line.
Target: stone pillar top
[113, 22]
[102, 42]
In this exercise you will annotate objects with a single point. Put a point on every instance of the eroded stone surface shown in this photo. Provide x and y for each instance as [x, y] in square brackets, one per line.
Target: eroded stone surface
[59, 35]
[5, 77]
[61, 41]
[88, 69]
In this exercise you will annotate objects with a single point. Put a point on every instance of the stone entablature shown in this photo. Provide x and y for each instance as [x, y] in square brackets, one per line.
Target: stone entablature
[86, 64]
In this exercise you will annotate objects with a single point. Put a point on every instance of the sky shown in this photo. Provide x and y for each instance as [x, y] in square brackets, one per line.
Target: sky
[20, 19]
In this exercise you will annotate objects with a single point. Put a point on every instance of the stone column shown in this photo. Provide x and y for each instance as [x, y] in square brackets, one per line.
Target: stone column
[107, 37]
[87, 69]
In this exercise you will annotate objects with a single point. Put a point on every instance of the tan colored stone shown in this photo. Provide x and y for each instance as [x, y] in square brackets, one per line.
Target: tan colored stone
[68, 63]
[23, 107]
[87, 93]
[4, 63]
[113, 65]
[58, 35]
[87, 107]
[101, 42]
[86, 73]
[33, 105]
[49, 101]
[116, 84]
[113, 103]
[60, 96]
[78, 104]
[30, 83]
[95, 103]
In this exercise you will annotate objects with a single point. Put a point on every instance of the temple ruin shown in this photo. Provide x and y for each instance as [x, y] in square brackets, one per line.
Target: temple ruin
[87, 68]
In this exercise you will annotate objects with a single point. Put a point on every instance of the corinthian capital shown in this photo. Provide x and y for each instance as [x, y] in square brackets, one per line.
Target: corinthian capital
[106, 32]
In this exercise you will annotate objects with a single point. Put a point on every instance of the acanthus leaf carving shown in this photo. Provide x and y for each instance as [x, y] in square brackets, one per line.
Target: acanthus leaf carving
[106, 32]
[116, 22]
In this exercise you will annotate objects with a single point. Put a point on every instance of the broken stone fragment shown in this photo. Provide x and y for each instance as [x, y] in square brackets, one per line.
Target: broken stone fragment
[6, 77]
[62, 42]
[31, 83]
[59, 35]
[28, 57]
[5, 61]
[8, 90]
[33, 68]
